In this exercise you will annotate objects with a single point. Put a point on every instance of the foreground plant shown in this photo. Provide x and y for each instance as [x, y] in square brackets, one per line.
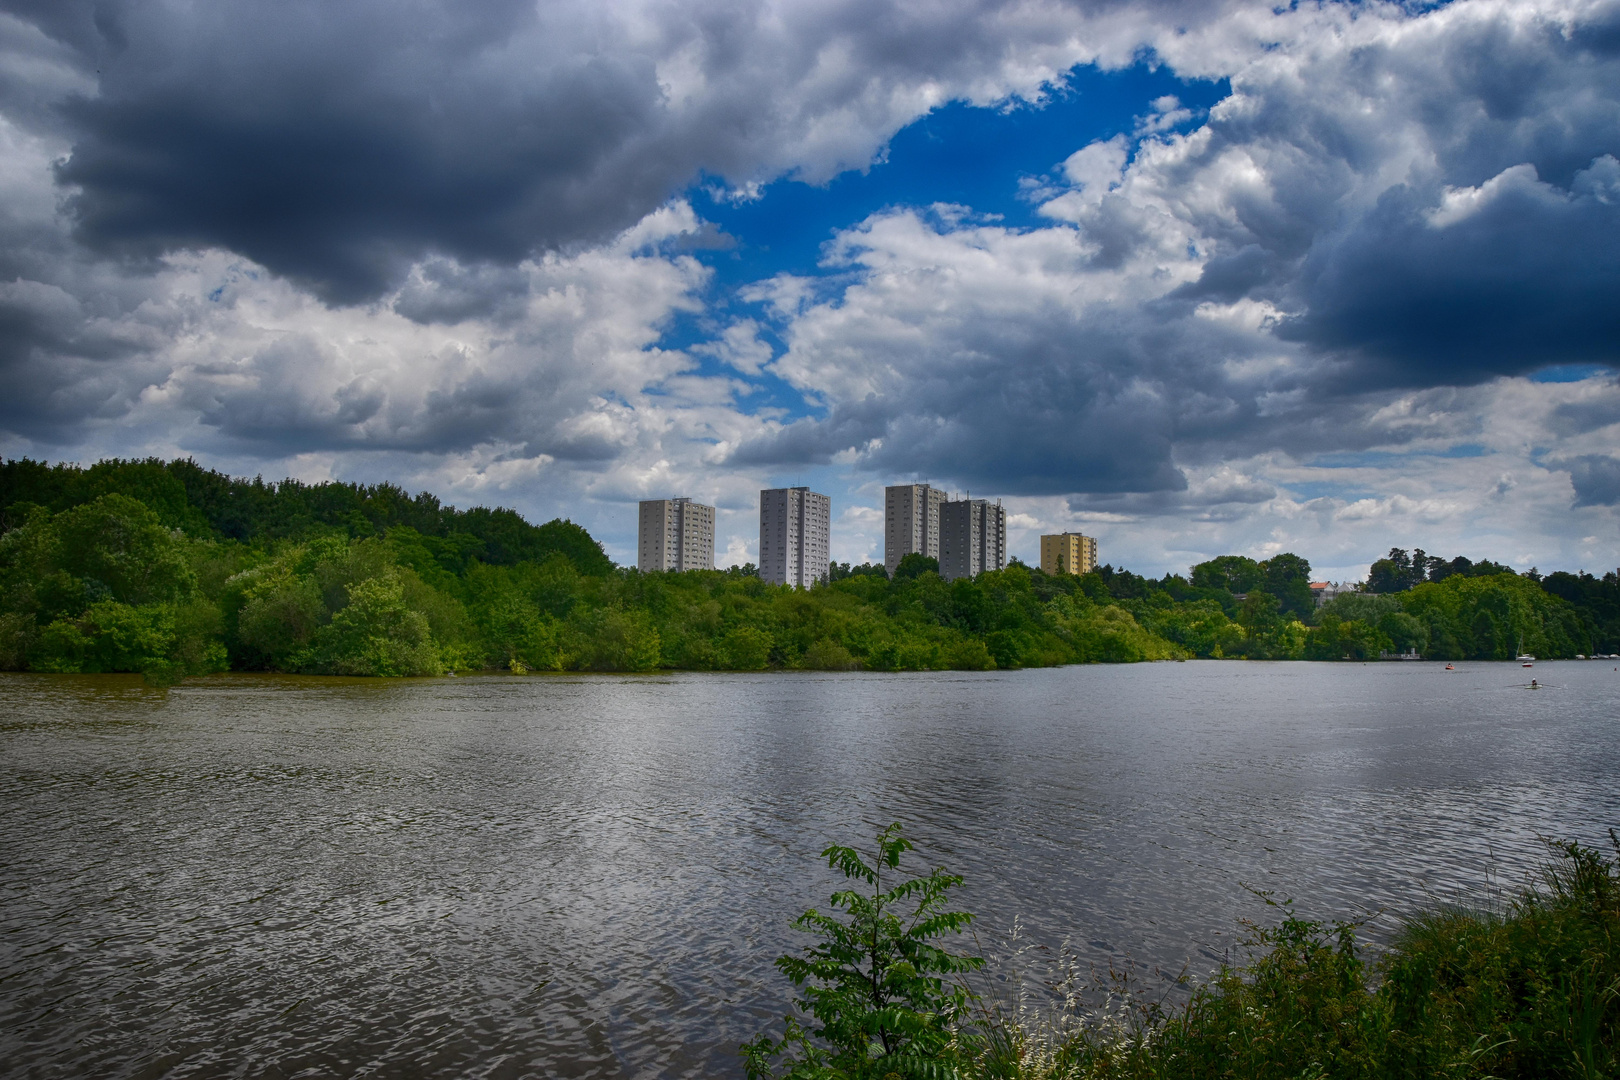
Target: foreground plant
[1533, 992]
[1530, 992]
[880, 997]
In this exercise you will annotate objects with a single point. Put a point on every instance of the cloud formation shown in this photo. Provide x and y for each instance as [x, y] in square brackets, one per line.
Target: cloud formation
[450, 243]
[1383, 202]
[339, 143]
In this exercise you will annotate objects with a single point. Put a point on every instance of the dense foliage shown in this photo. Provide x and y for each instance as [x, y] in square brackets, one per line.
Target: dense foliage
[108, 585]
[207, 504]
[169, 569]
[1530, 992]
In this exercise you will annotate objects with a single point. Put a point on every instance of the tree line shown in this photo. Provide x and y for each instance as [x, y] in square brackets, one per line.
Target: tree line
[170, 569]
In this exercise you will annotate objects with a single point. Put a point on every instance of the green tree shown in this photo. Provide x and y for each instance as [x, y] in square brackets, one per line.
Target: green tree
[1335, 638]
[280, 615]
[1288, 578]
[374, 634]
[915, 565]
[883, 998]
[746, 648]
[1234, 573]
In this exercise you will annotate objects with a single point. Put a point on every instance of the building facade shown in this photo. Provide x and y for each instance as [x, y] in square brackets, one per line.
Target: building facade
[675, 534]
[1324, 591]
[1068, 553]
[795, 530]
[972, 538]
[910, 522]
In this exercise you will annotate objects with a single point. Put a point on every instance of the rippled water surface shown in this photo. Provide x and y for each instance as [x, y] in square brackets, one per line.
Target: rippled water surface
[265, 876]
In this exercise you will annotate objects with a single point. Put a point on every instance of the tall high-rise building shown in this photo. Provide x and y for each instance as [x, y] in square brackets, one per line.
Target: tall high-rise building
[972, 538]
[676, 534]
[910, 522]
[795, 525]
[1068, 553]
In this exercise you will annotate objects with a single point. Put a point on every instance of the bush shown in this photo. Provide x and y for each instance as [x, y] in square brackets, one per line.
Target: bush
[1531, 992]
[745, 649]
[879, 993]
[375, 634]
[828, 655]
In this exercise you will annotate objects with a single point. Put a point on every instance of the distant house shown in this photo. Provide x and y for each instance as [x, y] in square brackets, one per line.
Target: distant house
[1323, 591]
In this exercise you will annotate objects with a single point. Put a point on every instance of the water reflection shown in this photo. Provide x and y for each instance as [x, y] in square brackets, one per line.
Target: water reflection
[589, 876]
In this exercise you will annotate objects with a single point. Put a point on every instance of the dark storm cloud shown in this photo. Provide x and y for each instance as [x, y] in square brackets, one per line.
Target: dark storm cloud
[1577, 418]
[1498, 251]
[337, 142]
[1527, 281]
[1043, 399]
[1596, 478]
[60, 363]
[444, 291]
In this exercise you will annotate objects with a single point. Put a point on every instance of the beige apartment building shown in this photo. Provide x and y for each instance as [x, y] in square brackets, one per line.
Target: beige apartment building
[972, 538]
[910, 522]
[1068, 553]
[675, 534]
[795, 530]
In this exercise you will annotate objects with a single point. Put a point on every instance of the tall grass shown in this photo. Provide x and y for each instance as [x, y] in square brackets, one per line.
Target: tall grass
[1529, 991]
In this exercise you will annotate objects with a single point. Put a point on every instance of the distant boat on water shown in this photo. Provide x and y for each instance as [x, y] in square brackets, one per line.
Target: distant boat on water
[1523, 656]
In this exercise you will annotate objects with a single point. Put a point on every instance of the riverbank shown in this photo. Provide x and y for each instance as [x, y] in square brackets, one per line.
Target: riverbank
[1530, 991]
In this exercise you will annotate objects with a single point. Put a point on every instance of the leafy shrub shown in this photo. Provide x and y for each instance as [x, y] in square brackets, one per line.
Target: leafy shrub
[613, 639]
[879, 993]
[828, 655]
[280, 615]
[374, 634]
[746, 648]
[17, 633]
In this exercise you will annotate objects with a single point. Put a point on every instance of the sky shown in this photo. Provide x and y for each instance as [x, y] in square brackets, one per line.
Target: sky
[1194, 278]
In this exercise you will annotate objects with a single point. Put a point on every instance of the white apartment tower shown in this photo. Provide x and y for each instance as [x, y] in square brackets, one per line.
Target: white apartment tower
[795, 525]
[676, 534]
[972, 538]
[910, 522]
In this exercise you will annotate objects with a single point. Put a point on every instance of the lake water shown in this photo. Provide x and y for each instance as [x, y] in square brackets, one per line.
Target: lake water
[590, 876]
